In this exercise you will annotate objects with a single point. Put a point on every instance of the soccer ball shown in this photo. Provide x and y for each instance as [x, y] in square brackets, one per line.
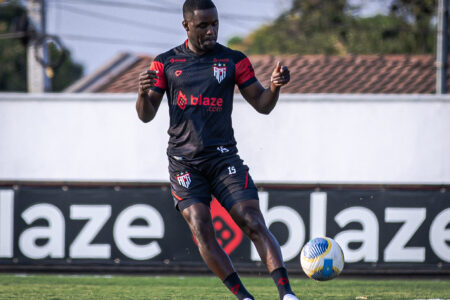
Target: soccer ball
[322, 259]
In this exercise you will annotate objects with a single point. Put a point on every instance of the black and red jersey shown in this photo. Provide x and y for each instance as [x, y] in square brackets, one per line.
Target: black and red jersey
[200, 91]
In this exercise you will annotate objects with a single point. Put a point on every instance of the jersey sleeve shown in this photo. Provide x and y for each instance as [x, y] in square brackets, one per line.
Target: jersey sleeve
[161, 83]
[245, 74]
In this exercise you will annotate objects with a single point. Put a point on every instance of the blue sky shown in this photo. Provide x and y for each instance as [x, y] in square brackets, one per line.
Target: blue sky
[95, 33]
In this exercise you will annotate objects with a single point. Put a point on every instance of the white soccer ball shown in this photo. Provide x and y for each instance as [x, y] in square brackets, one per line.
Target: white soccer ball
[322, 259]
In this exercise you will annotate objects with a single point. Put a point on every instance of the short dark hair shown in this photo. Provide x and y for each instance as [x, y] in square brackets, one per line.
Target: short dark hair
[190, 5]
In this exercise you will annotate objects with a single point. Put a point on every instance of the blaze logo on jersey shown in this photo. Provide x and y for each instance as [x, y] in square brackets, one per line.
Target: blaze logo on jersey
[220, 71]
[181, 100]
[184, 179]
[213, 104]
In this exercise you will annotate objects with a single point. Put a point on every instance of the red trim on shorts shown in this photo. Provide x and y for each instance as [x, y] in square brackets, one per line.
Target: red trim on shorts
[176, 196]
[246, 181]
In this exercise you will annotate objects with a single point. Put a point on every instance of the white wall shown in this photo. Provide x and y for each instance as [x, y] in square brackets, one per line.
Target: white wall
[390, 139]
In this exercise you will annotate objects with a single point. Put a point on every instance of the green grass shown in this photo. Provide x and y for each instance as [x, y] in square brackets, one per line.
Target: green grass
[56, 287]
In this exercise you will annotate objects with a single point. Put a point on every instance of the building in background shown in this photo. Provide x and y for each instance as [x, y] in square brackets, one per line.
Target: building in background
[372, 74]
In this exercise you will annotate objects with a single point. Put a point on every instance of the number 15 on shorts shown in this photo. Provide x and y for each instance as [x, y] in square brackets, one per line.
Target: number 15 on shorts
[231, 170]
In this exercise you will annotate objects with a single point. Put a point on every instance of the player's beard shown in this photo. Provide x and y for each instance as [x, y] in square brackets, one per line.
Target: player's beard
[208, 44]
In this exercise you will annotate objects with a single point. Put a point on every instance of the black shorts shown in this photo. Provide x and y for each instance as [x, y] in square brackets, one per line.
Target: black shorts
[223, 175]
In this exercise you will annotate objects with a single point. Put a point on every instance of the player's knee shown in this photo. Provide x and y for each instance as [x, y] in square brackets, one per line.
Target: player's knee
[201, 229]
[253, 224]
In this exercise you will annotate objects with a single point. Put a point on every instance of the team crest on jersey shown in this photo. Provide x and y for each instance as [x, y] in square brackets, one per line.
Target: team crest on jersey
[220, 71]
[184, 179]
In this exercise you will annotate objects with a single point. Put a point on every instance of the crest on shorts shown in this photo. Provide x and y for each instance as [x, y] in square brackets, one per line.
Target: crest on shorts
[184, 179]
[220, 71]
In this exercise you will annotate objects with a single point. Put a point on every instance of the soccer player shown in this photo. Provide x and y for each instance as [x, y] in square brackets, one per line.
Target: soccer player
[199, 77]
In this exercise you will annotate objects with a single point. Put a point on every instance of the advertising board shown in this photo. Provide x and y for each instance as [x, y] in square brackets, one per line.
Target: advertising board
[401, 229]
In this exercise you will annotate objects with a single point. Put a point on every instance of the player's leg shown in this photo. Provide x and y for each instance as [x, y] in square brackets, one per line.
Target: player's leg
[249, 218]
[234, 188]
[198, 217]
[191, 196]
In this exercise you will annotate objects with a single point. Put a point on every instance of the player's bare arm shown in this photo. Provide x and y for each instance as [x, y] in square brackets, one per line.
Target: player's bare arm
[148, 101]
[264, 100]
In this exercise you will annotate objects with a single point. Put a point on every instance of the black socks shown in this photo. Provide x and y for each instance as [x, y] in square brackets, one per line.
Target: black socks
[234, 284]
[280, 278]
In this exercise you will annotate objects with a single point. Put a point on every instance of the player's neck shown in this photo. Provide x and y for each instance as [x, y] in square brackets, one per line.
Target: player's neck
[196, 51]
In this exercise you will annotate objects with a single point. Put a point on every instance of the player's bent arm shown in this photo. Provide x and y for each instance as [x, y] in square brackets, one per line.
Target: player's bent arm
[263, 100]
[147, 105]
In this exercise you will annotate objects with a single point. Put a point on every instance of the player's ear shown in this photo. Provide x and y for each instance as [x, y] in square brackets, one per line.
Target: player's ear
[185, 25]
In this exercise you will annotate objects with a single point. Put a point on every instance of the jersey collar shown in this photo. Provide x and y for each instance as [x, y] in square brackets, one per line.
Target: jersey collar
[190, 52]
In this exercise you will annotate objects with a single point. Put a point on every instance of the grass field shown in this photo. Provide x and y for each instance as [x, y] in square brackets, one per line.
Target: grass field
[56, 287]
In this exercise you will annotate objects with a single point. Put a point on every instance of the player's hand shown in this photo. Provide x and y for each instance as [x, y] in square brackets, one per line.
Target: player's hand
[280, 75]
[147, 80]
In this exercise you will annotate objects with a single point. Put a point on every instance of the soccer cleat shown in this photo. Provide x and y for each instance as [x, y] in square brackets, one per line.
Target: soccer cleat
[248, 299]
[289, 297]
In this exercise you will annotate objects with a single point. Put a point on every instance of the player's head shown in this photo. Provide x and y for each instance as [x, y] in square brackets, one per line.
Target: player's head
[201, 23]
[190, 6]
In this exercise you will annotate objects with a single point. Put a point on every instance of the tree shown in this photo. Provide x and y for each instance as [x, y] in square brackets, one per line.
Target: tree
[13, 54]
[308, 27]
[67, 73]
[334, 28]
[420, 13]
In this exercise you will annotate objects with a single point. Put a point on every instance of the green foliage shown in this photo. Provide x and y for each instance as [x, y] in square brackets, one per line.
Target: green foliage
[13, 55]
[12, 66]
[420, 14]
[67, 73]
[333, 28]
[12, 52]
[236, 40]
[381, 34]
